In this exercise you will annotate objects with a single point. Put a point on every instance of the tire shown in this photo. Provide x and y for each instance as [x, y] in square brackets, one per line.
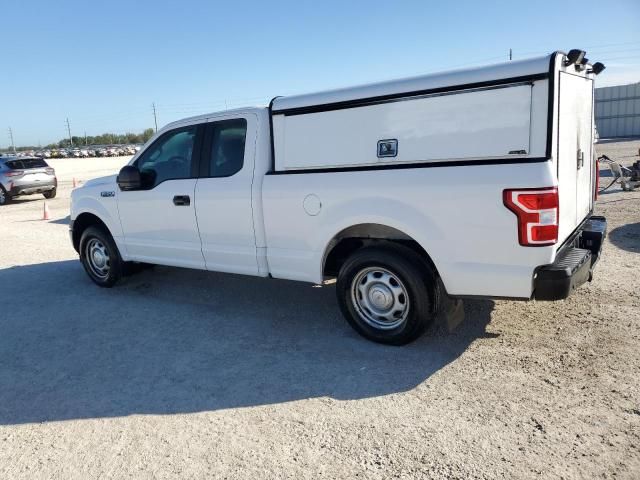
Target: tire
[100, 257]
[50, 193]
[4, 196]
[387, 294]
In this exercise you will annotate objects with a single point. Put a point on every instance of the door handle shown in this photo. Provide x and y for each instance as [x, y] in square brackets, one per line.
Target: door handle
[580, 159]
[181, 200]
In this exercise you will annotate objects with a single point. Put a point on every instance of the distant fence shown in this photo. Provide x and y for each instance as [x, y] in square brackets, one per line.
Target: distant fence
[617, 111]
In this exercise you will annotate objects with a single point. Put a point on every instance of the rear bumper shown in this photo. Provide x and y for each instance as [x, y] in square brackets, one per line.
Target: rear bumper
[574, 263]
[31, 188]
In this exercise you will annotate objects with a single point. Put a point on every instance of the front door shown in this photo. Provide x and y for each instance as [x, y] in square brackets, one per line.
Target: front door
[159, 221]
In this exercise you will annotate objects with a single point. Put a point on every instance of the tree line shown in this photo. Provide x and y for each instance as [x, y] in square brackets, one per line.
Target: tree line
[104, 139]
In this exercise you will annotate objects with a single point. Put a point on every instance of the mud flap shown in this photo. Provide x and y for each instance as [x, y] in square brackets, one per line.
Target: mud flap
[451, 310]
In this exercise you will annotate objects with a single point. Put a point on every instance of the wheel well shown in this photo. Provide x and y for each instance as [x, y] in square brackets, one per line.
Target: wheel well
[84, 221]
[355, 237]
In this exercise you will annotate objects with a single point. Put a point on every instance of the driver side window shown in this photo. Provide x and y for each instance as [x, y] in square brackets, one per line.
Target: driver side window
[169, 158]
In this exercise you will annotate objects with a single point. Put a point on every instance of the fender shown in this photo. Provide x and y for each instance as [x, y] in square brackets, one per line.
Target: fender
[348, 214]
[87, 204]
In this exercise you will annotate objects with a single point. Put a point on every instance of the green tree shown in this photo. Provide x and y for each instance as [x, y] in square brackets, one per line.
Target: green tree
[147, 134]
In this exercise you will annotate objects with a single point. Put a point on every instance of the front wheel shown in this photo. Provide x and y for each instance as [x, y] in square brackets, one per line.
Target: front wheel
[387, 294]
[100, 257]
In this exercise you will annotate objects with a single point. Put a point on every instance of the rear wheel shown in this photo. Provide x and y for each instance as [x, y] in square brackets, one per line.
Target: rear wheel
[387, 294]
[50, 193]
[100, 257]
[4, 196]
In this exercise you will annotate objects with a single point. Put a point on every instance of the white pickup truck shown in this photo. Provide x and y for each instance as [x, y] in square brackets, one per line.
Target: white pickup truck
[470, 183]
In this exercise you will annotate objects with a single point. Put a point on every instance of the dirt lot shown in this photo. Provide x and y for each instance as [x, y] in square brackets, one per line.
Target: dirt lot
[192, 374]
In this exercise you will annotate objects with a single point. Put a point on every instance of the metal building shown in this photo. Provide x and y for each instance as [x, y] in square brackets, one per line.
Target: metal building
[617, 111]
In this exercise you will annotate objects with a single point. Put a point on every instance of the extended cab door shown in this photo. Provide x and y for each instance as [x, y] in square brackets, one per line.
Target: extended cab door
[223, 195]
[159, 221]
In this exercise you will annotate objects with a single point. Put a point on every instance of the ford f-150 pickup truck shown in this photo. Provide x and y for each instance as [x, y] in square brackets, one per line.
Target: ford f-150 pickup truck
[470, 183]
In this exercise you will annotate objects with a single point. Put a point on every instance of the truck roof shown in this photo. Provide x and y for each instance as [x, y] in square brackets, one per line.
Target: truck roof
[219, 113]
[512, 69]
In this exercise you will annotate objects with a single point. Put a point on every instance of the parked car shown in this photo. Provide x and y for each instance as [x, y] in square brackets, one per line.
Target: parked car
[26, 176]
[476, 183]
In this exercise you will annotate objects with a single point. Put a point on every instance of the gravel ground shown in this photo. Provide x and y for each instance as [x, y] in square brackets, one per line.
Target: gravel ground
[190, 374]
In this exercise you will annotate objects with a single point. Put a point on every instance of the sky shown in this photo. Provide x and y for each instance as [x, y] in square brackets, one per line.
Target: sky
[103, 64]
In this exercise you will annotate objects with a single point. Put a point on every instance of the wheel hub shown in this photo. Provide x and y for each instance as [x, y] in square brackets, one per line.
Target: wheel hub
[380, 297]
[99, 259]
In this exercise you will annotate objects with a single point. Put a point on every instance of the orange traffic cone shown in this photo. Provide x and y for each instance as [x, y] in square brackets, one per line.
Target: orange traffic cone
[45, 212]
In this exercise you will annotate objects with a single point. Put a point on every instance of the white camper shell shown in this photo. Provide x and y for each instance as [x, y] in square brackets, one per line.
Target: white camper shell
[534, 110]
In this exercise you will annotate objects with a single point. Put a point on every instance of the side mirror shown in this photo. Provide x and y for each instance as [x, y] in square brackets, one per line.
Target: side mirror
[129, 178]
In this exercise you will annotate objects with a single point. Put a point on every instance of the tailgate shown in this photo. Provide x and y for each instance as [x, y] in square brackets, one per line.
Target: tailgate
[36, 175]
[575, 151]
[35, 170]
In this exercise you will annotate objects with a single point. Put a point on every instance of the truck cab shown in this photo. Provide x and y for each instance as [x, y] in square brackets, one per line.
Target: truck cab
[154, 218]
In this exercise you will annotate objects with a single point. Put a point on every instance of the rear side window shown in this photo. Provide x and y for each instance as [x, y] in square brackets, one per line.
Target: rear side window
[27, 163]
[227, 147]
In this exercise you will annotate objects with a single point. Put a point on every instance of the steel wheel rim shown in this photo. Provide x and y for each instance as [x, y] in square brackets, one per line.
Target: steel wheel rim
[98, 259]
[3, 198]
[380, 298]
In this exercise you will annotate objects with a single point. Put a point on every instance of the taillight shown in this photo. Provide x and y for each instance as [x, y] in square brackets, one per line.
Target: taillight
[50, 171]
[538, 214]
[14, 173]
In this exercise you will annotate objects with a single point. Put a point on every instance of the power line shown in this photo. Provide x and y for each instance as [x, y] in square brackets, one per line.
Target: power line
[13, 145]
[69, 130]
[155, 116]
[613, 44]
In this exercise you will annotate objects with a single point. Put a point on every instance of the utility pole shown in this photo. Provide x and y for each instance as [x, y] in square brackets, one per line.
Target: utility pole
[510, 54]
[155, 116]
[69, 130]
[85, 138]
[13, 145]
